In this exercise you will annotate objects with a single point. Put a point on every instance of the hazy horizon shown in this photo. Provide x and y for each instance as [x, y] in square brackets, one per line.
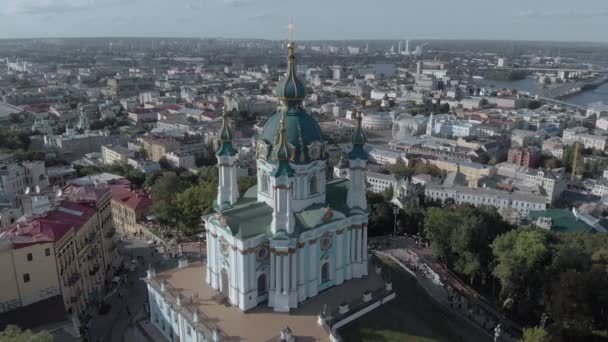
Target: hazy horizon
[544, 20]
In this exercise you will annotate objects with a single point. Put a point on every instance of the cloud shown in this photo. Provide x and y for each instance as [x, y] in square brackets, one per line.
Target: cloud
[237, 3]
[563, 13]
[47, 7]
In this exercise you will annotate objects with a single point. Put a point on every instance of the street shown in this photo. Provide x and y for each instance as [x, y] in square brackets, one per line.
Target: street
[127, 301]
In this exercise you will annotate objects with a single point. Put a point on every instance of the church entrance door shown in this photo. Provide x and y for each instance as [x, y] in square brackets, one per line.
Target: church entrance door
[224, 288]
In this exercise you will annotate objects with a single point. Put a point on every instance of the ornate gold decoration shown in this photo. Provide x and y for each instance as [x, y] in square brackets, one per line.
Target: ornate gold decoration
[329, 214]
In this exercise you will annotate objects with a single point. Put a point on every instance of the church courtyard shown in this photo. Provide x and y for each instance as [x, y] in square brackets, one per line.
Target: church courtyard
[260, 323]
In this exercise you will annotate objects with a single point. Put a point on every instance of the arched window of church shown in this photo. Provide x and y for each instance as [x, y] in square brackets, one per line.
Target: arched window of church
[325, 273]
[262, 284]
[313, 185]
[265, 182]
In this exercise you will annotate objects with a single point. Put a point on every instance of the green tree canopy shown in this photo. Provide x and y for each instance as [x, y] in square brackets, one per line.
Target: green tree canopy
[13, 333]
[536, 334]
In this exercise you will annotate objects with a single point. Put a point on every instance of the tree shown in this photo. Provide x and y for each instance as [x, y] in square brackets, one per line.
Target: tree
[461, 237]
[164, 194]
[534, 104]
[15, 118]
[536, 334]
[245, 183]
[519, 255]
[193, 203]
[388, 193]
[13, 333]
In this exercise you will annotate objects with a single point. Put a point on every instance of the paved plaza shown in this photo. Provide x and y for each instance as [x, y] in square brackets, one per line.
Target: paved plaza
[260, 323]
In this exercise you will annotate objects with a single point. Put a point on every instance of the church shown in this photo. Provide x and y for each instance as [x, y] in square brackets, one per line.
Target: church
[295, 234]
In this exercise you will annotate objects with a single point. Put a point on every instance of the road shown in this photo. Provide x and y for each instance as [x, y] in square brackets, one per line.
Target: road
[127, 303]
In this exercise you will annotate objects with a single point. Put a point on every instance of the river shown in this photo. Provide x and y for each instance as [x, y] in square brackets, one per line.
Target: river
[530, 85]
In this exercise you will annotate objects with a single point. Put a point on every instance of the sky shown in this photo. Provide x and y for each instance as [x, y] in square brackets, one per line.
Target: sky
[559, 20]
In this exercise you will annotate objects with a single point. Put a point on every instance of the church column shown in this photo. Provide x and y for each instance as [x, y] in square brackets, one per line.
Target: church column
[252, 275]
[339, 257]
[243, 272]
[313, 283]
[365, 265]
[294, 271]
[273, 257]
[347, 245]
[234, 277]
[357, 256]
[286, 272]
[279, 276]
[234, 187]
[208, 260]
[301, 279]
[214, 262]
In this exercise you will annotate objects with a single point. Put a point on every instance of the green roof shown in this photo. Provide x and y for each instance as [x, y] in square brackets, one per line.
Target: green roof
[563, 220]
[301, 130]
[249, 218]
[290, 88]
[224, 147]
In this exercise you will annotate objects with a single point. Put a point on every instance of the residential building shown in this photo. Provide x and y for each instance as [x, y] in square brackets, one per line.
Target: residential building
[552, 182]
[506, 202]
[128, 206]
[600, 188]
[156, 148]
[60, 252]
[112, 154]
[524, 156]
[471, 170]
[181, 160]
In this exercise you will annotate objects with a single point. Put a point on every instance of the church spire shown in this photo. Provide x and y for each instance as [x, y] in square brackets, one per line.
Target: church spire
[290, 89]
[281, 153]
[224, 147]
[358, 140]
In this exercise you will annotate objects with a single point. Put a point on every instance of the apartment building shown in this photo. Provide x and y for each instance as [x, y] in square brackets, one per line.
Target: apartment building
[524, 156]
[111, 154]
[157, 147]
[600, 188]
[552, 182]
[375, 181]
[60, 252]
[471, 170]
[128, 206]
[502, 200]
[17, 177]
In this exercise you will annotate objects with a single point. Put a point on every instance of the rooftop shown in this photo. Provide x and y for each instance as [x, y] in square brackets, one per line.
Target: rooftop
[260, 323]
[249, 218]
[135, 199]
[563, 220]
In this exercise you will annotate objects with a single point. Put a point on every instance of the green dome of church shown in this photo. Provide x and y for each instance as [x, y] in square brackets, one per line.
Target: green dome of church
[290, 88]
[302, 131]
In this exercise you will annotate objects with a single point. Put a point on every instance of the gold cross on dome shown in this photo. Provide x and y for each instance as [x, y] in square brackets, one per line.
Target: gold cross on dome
[291, 27]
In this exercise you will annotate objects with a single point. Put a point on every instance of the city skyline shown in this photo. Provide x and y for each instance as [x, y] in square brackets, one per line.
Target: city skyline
[314, 20]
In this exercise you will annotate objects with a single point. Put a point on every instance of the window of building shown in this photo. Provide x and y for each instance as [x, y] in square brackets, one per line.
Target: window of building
[265, 182]
[30, 257]
[47, 251]
[313, 185]
[262, 284]
[26, 278]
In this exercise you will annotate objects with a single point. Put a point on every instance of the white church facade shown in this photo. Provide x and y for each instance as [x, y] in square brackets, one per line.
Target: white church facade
[295, 234]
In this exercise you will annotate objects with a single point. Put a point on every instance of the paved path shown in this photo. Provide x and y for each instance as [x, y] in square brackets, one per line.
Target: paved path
[128, 301]
[456, 296]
